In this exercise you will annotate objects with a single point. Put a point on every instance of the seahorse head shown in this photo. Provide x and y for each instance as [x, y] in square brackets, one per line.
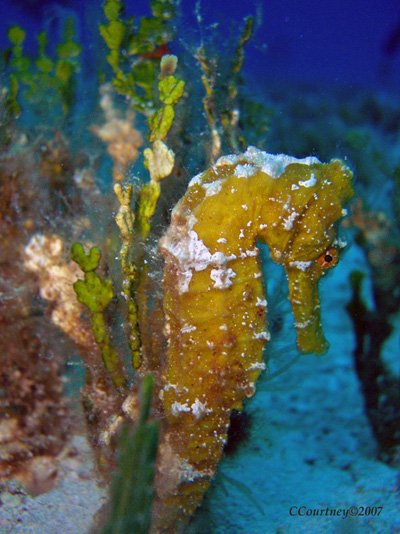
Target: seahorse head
[314, 202]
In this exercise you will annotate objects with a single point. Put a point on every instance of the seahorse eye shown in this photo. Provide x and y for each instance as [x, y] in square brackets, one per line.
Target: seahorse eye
[328, 259]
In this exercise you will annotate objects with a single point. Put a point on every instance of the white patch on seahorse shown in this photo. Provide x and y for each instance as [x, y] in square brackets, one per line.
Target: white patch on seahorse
[231, 159]
[302, 265]
[302, 325]
[310, 182]
[192, 254]
[199, 409]
[258, 365]
[184, 280]
[222, 277]
[288, 223]
[273, 164]
[213, 188]
[178, 407]
[187, 328]
[188, 473]
[253, 252]
[244, 171]
[196, 180]
[169, 386]
[263, 335]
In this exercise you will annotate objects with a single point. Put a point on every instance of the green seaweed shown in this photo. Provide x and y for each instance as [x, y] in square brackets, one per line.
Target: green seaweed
[45, 82]
[96, 294]
[170, 91]
[132, 490]
[87, 262]
[12, 105]
[135, 49]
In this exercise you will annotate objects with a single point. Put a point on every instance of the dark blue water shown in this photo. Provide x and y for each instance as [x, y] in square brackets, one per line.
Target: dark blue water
[334, 43]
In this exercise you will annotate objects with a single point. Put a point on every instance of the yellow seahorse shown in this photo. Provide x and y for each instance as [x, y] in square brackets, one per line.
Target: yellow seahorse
[215, 304]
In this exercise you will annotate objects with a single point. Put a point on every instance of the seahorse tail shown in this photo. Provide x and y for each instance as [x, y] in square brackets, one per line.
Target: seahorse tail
[189, 456]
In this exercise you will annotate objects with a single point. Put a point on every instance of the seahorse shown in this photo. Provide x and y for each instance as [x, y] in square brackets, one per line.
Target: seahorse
[215, 306]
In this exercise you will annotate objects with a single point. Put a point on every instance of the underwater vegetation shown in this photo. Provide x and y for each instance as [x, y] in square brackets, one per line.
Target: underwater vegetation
[132, 486]
[379, 237]
[114, 259]
[43, 79]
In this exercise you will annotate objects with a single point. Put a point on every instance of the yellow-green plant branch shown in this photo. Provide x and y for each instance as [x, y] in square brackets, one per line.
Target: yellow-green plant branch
[159, 160]
[170, 91]
[148, 198]
[44, 77]
[96, 294]
[125, 220]
[133, 49]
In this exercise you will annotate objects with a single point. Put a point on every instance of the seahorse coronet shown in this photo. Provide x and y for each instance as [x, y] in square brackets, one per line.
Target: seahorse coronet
[214, 300]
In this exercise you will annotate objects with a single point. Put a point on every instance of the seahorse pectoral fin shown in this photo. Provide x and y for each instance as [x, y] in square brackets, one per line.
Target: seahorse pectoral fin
[303, 294]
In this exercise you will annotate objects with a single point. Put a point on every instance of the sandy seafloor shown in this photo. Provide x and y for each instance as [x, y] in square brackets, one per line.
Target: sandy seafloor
[310, 445]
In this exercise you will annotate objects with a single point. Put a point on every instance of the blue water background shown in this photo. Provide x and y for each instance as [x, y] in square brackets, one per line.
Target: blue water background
[333, 43]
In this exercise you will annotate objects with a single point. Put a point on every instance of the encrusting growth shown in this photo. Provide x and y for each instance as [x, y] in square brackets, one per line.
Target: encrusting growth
[215, 304]
[44, 255]
[119, 133]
